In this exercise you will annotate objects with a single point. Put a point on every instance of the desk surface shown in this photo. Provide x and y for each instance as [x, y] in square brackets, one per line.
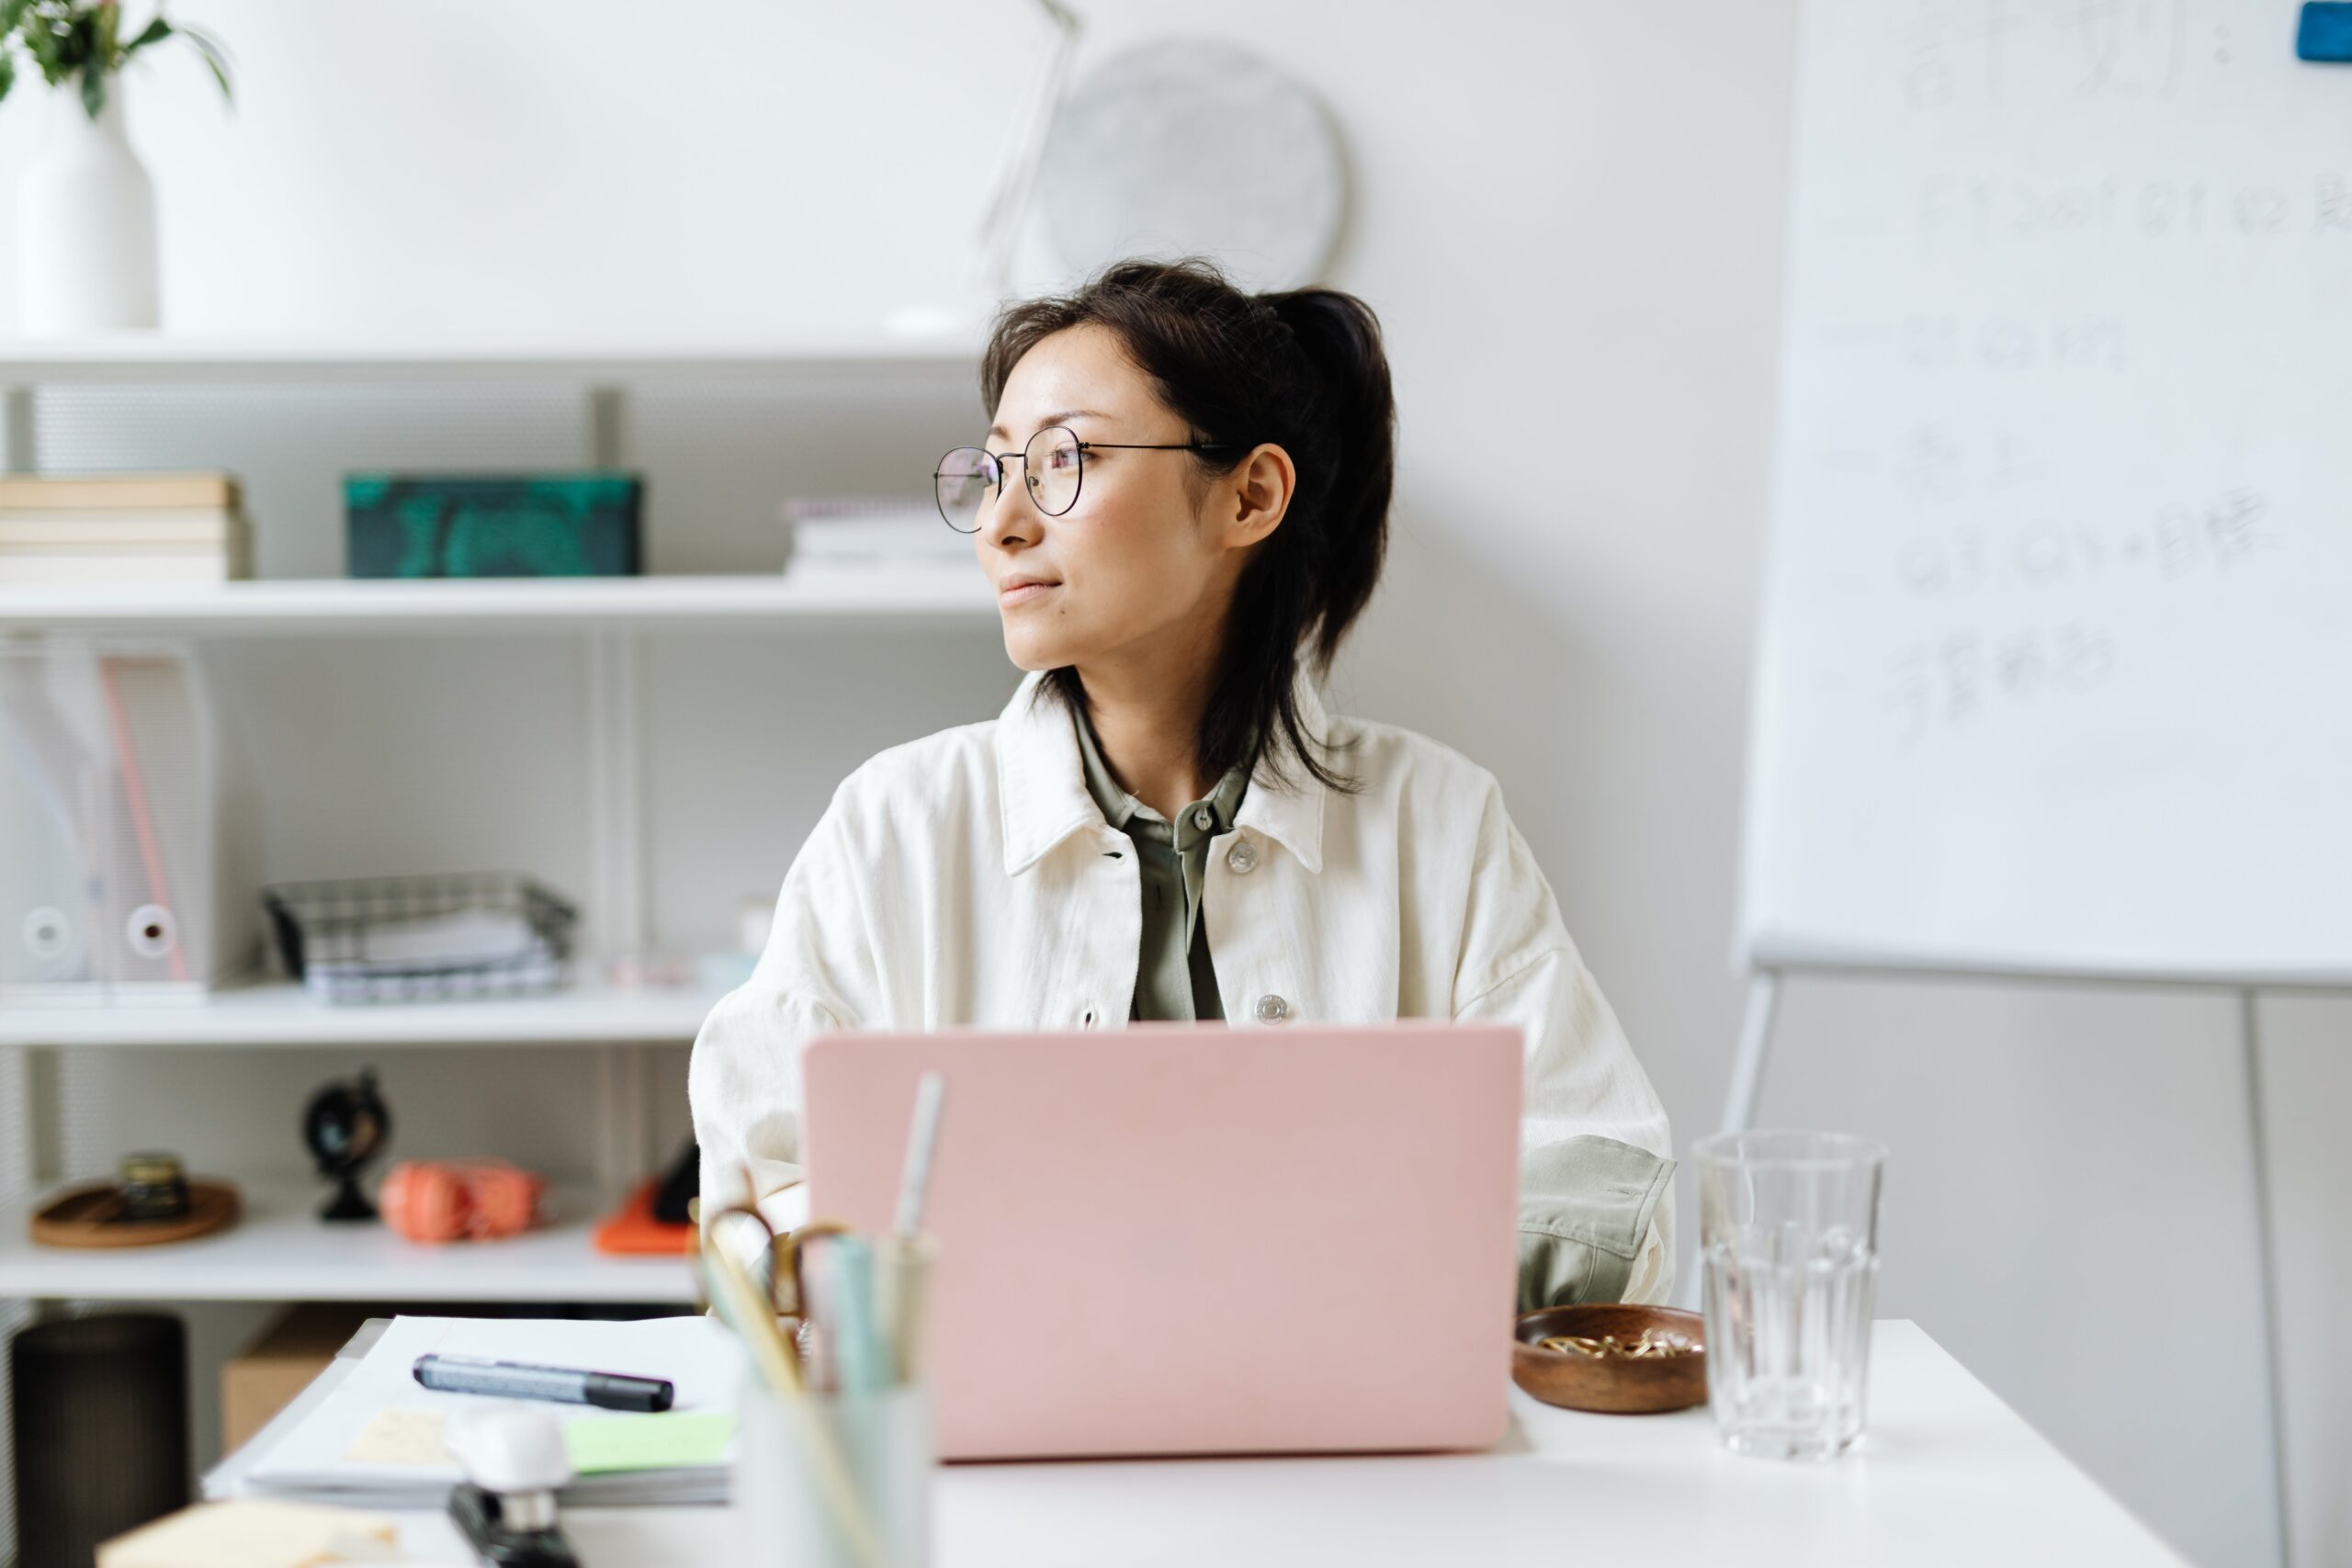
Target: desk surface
[1949, 1475]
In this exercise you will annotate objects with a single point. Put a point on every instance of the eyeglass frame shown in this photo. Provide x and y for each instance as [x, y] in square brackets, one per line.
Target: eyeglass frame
[1082, 445]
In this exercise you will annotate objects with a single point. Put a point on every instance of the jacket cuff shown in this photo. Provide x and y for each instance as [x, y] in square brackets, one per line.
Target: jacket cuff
[1584, 1208]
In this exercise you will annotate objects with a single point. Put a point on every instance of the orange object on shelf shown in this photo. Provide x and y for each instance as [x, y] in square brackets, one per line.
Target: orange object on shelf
[632, 1229]
[452, 1200]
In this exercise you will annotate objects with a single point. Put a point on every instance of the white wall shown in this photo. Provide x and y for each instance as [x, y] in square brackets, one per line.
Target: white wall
[1568, 215]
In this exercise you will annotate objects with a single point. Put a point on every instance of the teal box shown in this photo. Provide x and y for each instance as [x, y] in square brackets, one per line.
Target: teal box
[584, 525]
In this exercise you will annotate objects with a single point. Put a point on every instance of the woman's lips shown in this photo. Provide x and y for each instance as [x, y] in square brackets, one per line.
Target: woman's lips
[1019, 591]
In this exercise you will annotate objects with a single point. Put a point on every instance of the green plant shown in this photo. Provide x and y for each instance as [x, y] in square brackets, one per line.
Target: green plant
[68, 38]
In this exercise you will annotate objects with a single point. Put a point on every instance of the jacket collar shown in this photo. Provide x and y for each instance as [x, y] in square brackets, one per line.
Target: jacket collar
[1044, 799]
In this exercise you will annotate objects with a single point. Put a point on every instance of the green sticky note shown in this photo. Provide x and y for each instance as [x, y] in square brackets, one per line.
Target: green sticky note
[600, 1445]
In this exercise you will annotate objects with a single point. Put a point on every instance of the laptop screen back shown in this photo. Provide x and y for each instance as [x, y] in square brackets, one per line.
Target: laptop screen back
[1177, 1239]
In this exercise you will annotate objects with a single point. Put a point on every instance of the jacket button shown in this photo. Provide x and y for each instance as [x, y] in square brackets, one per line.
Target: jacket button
[1271, 1008]
[1203, 818]
[1242, 857]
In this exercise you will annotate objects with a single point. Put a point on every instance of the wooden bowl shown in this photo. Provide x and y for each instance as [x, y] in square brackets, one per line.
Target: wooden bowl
[91, 1215]
[1618, 1385]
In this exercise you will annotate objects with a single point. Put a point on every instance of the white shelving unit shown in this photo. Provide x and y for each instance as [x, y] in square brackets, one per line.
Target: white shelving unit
[282, 1014]
[813, 598]
[279, 1250]
[151, 359]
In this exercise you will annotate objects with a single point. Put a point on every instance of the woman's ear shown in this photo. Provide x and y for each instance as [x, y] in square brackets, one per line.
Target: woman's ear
[1260, 493]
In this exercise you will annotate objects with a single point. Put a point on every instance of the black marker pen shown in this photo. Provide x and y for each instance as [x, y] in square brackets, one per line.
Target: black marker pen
[566, 1385]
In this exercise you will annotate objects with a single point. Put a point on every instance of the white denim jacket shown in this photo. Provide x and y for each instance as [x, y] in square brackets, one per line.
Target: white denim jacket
[969, 879]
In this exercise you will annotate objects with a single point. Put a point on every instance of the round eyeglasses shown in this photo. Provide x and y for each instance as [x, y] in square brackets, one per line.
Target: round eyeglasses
[1052, 466]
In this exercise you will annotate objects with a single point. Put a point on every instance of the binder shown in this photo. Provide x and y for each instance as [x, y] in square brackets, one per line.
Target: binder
[121, 876]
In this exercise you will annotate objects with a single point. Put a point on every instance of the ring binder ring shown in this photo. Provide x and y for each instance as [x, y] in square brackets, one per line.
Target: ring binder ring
[49, 933]
[155, 932]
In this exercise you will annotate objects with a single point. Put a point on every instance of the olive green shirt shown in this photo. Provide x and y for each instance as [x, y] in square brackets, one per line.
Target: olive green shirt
[1174, 980]
[1585, 1203]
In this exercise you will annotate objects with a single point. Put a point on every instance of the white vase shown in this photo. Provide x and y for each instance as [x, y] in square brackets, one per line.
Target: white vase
[85, 225]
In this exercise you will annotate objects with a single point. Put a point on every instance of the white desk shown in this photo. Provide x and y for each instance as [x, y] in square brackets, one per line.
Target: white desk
[1949, 1475]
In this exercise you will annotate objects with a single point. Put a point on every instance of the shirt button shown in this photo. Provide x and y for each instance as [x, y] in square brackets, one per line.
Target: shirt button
[1242, 857]
[1203, 818]
[1271, 1008]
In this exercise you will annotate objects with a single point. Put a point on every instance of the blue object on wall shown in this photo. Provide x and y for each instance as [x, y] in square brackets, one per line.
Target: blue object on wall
[2325, 32]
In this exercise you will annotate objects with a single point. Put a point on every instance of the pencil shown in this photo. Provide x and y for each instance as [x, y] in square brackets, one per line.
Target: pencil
[915, 1183]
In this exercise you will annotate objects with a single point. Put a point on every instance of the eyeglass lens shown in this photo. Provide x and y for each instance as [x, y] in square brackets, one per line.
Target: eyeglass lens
[1052, 466]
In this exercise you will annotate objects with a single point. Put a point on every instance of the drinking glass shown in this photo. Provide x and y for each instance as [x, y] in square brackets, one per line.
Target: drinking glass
[1788, 1231]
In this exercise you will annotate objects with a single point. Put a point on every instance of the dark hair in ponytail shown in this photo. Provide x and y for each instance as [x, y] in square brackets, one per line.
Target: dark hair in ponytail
[1304, 370]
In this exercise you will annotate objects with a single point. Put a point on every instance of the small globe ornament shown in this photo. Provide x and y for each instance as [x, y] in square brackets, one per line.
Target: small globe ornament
[345, 1125]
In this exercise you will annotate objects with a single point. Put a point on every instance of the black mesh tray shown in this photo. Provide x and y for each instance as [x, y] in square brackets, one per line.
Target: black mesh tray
[321, 930]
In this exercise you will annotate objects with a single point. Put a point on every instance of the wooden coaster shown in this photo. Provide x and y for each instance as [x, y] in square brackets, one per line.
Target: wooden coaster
[88, 1216]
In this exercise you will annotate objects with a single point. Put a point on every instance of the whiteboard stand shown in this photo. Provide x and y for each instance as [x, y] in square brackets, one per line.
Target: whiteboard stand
[1747, 1084]
[1754, 1045]
[2273, 1355]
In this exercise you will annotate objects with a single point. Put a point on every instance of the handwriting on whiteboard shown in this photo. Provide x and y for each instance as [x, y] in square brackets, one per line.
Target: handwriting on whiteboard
[1980, 53]
[1982, 212]
[2049, 432]
[2175, 543]
[1932, 341]
[1954, 679]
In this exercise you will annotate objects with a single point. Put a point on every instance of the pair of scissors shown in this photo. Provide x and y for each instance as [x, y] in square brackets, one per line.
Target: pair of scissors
[771, 1258]
[750, 1262]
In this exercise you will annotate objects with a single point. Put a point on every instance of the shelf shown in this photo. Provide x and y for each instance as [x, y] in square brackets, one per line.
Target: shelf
[826, 597]
[148, 359]
[283, 1014]
[279, 1250]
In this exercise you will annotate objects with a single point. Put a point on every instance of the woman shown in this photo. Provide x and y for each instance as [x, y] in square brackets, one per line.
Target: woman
[1183, 505]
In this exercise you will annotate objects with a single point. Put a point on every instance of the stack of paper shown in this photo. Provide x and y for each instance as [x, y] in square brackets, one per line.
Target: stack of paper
[861, 533]
[465, 951]
[119, 528]
[376, 1441]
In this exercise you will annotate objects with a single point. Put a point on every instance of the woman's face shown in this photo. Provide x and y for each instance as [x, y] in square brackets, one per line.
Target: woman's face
[1142, 567]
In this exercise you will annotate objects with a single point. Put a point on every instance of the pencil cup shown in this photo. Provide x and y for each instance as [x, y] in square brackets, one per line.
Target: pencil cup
[794, 1454]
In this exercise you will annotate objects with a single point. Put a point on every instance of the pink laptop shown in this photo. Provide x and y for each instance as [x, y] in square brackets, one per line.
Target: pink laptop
[1181, 1240]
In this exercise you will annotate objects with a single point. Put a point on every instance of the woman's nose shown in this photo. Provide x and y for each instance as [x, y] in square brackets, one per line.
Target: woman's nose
[1012, 520]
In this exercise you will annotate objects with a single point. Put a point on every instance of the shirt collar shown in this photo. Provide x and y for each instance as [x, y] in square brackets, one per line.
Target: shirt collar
[1041, 778]
[1290, 811]
[1043, 797]
[1118, 807]
[1122, 810]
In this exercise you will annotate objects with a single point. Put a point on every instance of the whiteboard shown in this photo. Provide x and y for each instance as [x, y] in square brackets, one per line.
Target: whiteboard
[2055, 664]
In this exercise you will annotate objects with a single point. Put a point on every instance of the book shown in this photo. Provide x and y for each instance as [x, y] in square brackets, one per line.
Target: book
[51, 525]
[103, 490]
[251, 1533]
[50, 546]
[907, 542]
[871, 532]
[84, 569]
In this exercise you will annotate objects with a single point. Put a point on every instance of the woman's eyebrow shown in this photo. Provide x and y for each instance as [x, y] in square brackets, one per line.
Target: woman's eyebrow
[1059, 416]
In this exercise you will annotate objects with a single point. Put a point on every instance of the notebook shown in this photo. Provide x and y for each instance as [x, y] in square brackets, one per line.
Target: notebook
[376, 1440]
[251, 1533]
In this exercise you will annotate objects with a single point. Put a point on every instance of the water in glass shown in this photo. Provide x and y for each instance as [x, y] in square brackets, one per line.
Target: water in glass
[1789, 1237]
